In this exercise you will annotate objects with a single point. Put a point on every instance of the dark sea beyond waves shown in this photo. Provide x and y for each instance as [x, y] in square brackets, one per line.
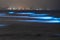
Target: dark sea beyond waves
[11, 28]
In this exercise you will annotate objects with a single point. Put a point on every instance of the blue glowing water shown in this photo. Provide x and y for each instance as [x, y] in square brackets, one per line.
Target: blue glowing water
[41, 18]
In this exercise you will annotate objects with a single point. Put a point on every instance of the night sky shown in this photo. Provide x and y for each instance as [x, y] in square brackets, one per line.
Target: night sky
[51, 4]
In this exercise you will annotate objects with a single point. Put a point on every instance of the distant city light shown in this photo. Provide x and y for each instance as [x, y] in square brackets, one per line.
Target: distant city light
[39, 9]
[9, 8]
[23, 8]
[14, 8]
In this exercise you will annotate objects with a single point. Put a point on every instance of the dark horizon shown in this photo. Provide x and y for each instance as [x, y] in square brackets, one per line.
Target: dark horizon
[44, 4]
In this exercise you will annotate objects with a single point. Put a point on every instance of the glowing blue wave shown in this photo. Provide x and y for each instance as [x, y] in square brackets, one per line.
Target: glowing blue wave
[29, 17]
[16, 16]
[39, 21]
[33, 14]
[3, 25]
[39, 15]
[11, 12]
[25, 13]
[45, 18]
[1, 14]
[41, 18]
[29, 21]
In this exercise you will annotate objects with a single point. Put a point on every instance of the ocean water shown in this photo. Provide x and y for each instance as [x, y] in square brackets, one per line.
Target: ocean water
[29, 25]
